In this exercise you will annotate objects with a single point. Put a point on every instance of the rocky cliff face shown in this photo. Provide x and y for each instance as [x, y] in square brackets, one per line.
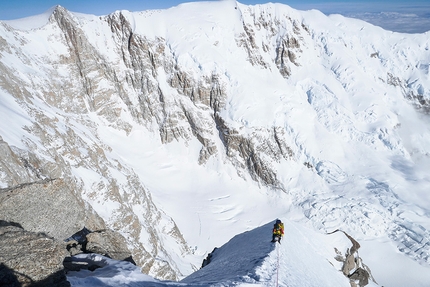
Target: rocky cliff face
[129, 85]
[30, 259]
[45, 184]
[93, 74]
[48, 206]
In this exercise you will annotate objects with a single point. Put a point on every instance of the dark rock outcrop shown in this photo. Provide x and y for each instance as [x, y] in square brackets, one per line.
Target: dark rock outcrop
[208, 258]
[48, 206]
[30, 259]
[51, 208]
[108, 243]
[104, 242]
[353, 267]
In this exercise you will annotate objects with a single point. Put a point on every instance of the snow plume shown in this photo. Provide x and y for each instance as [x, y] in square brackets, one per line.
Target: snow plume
[185, 127]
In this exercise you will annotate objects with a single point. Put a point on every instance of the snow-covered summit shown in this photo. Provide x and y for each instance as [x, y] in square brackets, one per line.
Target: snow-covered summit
[32, 22]
[186, 126]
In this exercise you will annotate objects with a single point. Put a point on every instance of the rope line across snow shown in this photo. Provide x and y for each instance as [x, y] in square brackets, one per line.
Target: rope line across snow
[277, 265]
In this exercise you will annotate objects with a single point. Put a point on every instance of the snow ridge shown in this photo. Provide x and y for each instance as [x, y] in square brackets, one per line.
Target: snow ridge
[304, 258]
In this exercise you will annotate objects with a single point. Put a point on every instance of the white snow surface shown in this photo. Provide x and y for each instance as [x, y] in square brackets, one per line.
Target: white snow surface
[303, 259]
[32, 22]
[369, 148]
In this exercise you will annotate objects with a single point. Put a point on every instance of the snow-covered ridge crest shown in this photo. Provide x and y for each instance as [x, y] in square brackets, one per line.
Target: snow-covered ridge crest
[37, 21]
[32, 22]
[305, 258]
[245, 111]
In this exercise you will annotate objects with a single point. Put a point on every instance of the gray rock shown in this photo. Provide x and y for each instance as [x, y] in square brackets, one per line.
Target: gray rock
[30, 259]
[47, 206]
[361, 275]
[74, 247]
[349, 264]
[353, 267]
[108, 243]
[105, 242]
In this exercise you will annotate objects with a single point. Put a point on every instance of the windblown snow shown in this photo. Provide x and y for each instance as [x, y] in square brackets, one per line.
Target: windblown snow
[324, 124]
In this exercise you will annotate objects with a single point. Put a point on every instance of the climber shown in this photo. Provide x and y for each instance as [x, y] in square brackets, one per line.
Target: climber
[278, 231]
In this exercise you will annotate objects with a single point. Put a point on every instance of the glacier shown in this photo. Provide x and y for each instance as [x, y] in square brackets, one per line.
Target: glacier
[184, 127]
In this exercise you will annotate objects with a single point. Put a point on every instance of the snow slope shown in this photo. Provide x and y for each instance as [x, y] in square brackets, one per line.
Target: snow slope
[303, 259]
[353, 111]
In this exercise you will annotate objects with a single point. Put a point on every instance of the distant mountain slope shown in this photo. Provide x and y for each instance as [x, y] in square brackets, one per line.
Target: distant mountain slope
[184, 127]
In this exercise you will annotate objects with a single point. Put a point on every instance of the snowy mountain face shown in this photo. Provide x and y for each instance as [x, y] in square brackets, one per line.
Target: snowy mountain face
[184, 127]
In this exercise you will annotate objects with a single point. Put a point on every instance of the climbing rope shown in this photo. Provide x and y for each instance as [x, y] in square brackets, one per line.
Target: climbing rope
[277, 265]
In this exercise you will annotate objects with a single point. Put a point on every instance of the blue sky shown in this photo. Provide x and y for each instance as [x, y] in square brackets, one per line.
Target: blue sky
[396, 15]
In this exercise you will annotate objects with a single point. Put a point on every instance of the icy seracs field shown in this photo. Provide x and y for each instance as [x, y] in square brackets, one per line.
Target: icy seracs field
[368, 145]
